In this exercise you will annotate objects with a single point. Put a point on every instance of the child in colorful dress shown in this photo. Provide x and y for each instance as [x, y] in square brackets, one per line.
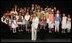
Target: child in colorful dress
[14, 25]
[51, 22]
[44, 22]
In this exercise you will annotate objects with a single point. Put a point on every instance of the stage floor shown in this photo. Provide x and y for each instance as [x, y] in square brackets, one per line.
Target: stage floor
[28, 40]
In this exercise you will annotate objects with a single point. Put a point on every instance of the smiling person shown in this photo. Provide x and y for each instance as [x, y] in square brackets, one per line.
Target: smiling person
[57, 21]
[35, 22]
[27, 17]
[14, 25]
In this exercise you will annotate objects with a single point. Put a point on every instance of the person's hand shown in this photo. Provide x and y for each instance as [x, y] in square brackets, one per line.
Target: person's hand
[35, 29]
[61, 22]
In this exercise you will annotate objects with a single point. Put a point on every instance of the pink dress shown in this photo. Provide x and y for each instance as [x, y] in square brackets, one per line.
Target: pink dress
[51, 17]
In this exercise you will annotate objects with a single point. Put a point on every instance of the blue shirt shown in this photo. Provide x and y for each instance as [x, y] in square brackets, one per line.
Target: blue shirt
[57, 18]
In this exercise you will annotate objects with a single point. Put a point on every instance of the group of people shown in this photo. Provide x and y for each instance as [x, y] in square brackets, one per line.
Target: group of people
[34, 18]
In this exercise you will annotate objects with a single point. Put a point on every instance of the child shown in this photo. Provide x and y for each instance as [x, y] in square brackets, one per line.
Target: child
[57, 21]
[41, 23]
[30, 22]
[68, 25]
[14, 25]
[44, 22]
[23, 22]
[20, 22]
[10, 22]
[51, 22]
[64, 18]
[27, 16]
[38, 13]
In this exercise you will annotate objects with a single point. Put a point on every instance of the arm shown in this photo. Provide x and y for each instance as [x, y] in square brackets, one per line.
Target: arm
[61, 20]
[2, 19]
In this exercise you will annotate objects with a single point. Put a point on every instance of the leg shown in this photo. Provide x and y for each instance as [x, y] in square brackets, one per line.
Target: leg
[21, 27]
[35, 35]
[32, 33]
[40, 27]
[62, 30]
[18, 27]
[15, 29]
[26, 25]
[68, 30]
[57, 26]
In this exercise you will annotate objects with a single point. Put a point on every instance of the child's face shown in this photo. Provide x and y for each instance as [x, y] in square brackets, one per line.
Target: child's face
[18, 8]
[20, 13]
[34, 15]
[36, 5]
[7, 16]
[44, 18]
[27, 13]
[32, 5]
[47, 6]
[54, 8]
[57, 11]
[41, 8]
[14, 18]
[63, 14]
[68, 15]
[38, 10]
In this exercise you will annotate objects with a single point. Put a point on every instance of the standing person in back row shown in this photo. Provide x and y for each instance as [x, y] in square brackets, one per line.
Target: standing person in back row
[27, 17]
[35, 22]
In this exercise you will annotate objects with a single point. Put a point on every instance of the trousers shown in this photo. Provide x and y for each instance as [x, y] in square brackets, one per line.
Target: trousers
[34, 33]
[57, 26]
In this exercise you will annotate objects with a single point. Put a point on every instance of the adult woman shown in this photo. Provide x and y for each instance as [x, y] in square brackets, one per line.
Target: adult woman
[35, 22]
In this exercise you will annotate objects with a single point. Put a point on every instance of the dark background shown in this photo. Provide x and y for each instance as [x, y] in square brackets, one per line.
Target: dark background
[63, 6]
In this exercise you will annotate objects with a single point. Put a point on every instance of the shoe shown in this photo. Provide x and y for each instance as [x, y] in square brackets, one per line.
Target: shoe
[50, 32]
[34, 40]
[21, 30]
[13, 32]
[62, 31]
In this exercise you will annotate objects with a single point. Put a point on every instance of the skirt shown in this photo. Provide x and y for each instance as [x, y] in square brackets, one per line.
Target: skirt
[19, 22]
[63, 25]
[68, 25]
[51, 25]
[14, 26]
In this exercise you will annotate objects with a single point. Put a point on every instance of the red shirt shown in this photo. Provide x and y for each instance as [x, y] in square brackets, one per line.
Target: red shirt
[44, 20]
